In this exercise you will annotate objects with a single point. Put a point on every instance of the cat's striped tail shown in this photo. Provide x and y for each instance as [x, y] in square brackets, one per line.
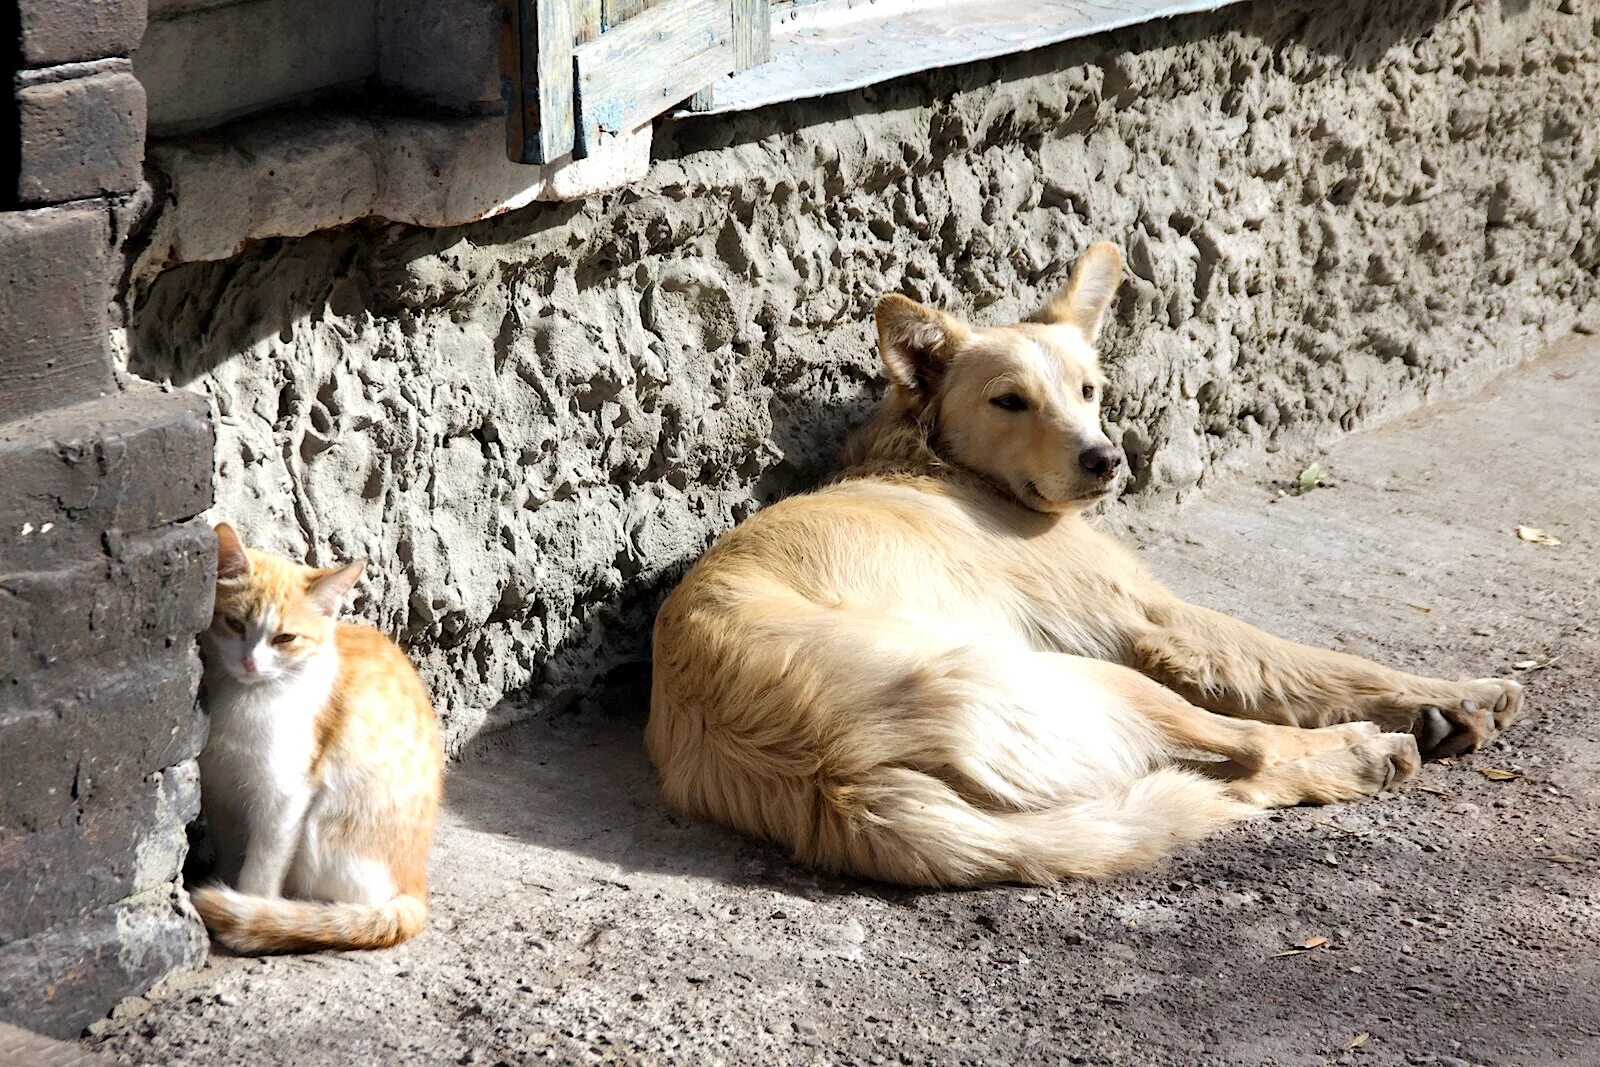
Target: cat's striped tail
[253, 925]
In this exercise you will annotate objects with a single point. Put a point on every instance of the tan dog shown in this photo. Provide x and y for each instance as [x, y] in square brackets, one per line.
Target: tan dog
[933, 672]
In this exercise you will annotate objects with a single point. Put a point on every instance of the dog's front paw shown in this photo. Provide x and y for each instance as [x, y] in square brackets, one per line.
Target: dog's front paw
[1463, 725]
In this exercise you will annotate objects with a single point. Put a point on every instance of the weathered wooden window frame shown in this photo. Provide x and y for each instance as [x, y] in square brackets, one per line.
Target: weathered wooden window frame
[576, 72]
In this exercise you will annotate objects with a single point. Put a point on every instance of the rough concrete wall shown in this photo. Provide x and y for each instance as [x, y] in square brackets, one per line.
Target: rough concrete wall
[531, 425]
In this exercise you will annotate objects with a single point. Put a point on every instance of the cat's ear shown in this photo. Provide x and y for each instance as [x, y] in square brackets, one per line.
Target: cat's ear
[232, 562]
[328, 588]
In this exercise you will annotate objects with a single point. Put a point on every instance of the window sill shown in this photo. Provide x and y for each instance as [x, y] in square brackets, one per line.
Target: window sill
[292, 173]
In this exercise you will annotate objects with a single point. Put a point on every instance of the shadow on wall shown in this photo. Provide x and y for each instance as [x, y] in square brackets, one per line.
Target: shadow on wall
[526, 431]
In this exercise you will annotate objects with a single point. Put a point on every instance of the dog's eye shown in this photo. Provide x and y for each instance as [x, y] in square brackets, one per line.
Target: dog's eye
[283, 639]
[1009, 402]
[1088, 391]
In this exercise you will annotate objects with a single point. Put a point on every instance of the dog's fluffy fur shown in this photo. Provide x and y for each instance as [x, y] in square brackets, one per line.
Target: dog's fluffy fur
[933, 672]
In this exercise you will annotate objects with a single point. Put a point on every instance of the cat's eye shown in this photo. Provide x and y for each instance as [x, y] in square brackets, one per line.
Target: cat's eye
[1088, 390]
[284, 639]
[1009, 402]
[234, 624]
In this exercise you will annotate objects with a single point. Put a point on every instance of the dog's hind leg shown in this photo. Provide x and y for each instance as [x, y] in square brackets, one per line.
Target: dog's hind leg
[1231, 667]
[1282, 765]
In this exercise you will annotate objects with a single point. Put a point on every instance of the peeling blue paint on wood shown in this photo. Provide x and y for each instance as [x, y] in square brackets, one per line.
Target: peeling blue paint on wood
[649, 64]
[836, 45]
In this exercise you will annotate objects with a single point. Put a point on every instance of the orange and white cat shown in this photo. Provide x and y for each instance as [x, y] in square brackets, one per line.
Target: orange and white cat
[321, 778]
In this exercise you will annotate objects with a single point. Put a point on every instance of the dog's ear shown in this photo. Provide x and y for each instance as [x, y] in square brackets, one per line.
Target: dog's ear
[915, 342]
[1084, 301]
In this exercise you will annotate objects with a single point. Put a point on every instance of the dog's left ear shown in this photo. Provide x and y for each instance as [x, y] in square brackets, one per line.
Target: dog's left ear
[1084, 301]
[915, 342]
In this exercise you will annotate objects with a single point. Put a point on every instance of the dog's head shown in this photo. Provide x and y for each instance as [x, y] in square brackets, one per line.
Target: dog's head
[1018, 404]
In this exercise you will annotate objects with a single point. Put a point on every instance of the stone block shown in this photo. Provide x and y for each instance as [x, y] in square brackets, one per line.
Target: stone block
[104, 849]
[55, 286]
[59, 981]
[152, 595]
[69, 31]
[123, 463]
[80, 136]
[73, 735]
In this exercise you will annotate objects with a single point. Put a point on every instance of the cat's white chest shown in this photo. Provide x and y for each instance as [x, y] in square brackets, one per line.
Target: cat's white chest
[263, 737]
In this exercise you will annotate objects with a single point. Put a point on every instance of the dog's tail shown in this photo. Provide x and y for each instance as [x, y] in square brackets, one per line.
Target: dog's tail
[907, 826]
[252, 925]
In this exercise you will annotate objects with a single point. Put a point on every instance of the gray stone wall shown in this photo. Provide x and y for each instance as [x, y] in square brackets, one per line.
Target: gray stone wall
[531, 425]
[104, 575]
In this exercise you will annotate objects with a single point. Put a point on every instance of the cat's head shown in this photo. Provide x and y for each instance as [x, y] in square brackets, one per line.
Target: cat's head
[273, 616]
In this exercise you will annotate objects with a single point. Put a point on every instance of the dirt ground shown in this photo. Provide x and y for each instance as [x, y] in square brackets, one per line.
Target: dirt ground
[576, 921]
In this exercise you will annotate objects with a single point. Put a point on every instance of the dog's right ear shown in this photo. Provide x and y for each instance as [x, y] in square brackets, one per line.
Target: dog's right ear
[231, 559]
[915, 342]
[1084, 301]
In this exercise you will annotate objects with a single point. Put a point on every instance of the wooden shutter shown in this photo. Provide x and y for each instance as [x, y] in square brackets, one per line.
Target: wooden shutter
[579, 71]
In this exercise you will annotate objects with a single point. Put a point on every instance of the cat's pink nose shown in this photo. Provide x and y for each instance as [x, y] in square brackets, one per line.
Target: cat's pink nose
[249, 664]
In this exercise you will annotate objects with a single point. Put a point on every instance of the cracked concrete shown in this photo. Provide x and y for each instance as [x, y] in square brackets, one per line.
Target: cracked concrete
[576, 921]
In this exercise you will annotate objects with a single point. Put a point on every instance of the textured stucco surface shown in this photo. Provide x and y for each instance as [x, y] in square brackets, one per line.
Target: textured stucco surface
[531, 425]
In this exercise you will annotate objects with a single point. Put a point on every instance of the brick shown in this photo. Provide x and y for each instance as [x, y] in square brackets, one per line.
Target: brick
[80, 137]
[55, 287]
[75, 736]
[68, 31]
[59, 981]
[153, 594]
[104, 850]
[115, 466]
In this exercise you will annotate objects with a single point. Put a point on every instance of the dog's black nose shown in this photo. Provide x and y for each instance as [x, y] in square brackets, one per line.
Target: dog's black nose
[1101, 461]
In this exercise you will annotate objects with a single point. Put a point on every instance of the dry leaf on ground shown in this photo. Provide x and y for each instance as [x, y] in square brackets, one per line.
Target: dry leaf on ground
[1357, 1041]
[1302, 948]
[1536, 536]
[1495, 774]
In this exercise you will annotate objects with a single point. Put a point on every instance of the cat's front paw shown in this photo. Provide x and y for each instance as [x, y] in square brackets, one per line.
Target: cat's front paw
[1449, 728]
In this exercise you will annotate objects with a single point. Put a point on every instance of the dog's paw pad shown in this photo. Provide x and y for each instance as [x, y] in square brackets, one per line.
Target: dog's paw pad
[1451, 729]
